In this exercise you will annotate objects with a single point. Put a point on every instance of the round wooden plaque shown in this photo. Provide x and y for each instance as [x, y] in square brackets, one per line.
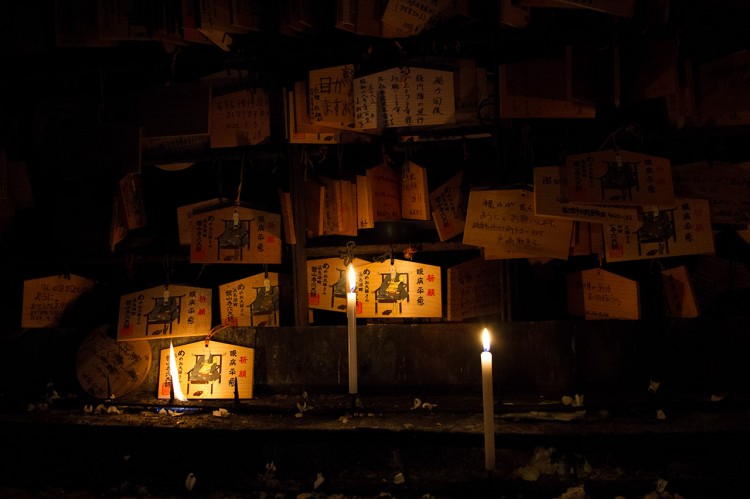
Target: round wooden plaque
[102, 359]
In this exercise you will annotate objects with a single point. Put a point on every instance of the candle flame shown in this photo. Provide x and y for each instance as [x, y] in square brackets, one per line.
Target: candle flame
[175, 375]
[352, 279]
[486, 340]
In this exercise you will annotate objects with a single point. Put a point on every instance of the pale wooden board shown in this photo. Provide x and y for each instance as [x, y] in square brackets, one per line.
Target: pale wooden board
[251, 302]
[185, 217]
[330, 101]
[299, 124]
[598, 294]
[617, 177]
[474, 289]
[287, 217]
[504, 254]
[103, 361]
[410, 17]
[254, 238]
[323, 275]
[448, 208]
[118, 226]
[386, 200]
[131, 195]
[414, 195]
[725, 186]
[690, 233]
[239, 118]
[365, 213]
[416, 287]
[550, 200]
[333, 216]
[408, 96]
[679, 297]
[46, 299]
[505, 219]
[514, 14]
[314, 199]
[187, 314]
[231, 366]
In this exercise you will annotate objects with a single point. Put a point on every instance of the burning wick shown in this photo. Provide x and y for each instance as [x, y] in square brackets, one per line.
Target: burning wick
[174, 375]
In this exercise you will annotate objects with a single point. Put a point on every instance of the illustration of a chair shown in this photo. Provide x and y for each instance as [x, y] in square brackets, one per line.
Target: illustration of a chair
[622, 176]
[207, 371]
[235, 237]
[658, 227]
[338, 289]
[165, 312]
[266, 304]
[393, 289]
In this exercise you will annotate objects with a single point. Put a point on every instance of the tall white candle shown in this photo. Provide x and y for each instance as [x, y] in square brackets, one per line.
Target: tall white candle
[351, 315]
[488, 404]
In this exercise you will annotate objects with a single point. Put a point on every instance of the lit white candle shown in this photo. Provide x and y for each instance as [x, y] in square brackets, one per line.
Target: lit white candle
[351, 315]
[488, 404]
[175, 375]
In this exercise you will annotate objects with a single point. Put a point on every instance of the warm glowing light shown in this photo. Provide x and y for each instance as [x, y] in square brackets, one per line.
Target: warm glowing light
[486, 340]
[175, 375]
[352, 279]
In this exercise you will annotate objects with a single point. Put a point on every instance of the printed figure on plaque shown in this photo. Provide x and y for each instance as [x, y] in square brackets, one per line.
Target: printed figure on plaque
[165, 312]
[658, 227]
[236, 236]
[266, 304]
[207, 371]
[394, 288]
[338, 289]
[622, 176]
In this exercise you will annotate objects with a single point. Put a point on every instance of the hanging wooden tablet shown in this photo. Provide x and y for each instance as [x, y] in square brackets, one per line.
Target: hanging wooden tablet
[386, 200]
[164, 311]
[216, 371]
[599, 294]
[107, 368]
[474, 289]
[46, 299]
[314, 199]
[330, 96]
[505, 219]
[679, 297]
[235, 234]
[365, 212]
[118, 226]
[326, 283]
[131, 196]
[726, 187]
[251, 302]
[185, 218]
[514, 14]
[504, 254]
[619, 177]
[300, 128]
[287, 217]
[404, 97]
[239, 117]
[550, 201]
[414, 194]
[399, 290]
[410, 17]
[681, 229]
[448, 207]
